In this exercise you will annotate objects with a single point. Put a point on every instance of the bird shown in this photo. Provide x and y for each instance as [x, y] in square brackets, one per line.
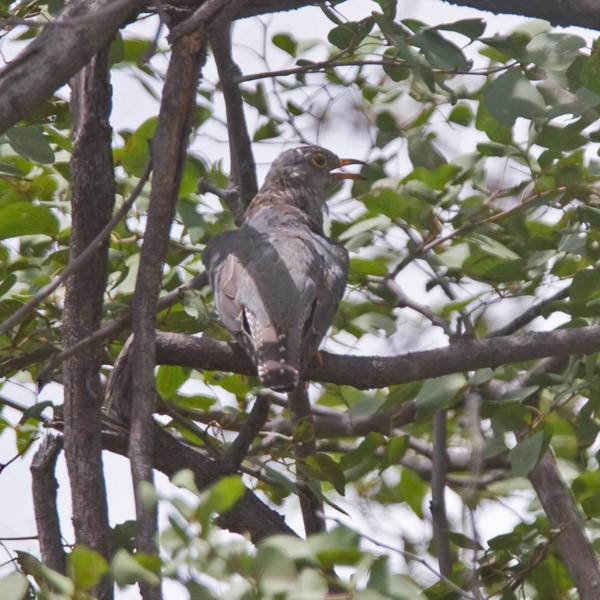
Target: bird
[277, 281]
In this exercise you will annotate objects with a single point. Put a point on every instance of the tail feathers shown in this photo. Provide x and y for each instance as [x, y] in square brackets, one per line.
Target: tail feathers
[278, 376]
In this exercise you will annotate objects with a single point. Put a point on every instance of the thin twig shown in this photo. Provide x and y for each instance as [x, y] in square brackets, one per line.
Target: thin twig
[439, 517]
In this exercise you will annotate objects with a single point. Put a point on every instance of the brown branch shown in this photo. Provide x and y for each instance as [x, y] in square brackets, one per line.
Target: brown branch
[573, 545]
[365, 372]
[110, 329]
[92, 202]
[249, 516]
[303, 435]
[169, 145]
[243, 169]
[57, 53]
[439, 517]
[535, 310]
[44, 488]
[580, 13]
[256, 419]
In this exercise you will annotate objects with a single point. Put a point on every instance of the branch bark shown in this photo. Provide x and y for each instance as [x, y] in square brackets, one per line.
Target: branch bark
[44, 488]
[57, 53]
[366, 372]
[169, 145]
[248, 516]
[93, 196]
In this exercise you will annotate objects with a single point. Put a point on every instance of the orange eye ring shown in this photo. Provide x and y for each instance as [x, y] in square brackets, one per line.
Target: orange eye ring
[319, 160]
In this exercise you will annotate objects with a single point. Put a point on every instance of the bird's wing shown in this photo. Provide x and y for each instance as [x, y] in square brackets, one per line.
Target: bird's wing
[330, 288]
[225, 267]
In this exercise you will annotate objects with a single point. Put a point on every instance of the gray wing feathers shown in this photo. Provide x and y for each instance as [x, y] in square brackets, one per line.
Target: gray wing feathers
[277, 287]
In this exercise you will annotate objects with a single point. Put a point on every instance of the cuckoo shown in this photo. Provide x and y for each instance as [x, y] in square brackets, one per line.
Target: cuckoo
[277, 280]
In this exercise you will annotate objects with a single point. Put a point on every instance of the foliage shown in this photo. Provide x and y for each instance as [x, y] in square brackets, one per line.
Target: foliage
[480, 203]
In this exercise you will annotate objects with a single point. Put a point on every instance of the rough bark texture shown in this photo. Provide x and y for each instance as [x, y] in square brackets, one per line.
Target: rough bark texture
[571, 540]
[168, 151]
[44, 489]
[365, 372]
[93, 191]
[583, 13]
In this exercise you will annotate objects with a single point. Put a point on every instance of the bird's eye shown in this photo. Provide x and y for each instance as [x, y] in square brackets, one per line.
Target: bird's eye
[319, 160]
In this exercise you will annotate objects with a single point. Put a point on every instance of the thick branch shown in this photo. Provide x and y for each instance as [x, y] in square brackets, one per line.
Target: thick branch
[55, 55]
[169, 145]
[366, 372]
[44, 489]
[582, 13]
[574, 547]
[93, 196]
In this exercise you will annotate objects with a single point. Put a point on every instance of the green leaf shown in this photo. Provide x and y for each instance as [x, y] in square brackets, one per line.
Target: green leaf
[512, 95]
[590, 73]
[492, 246]
[393, 451]
[413, 490]
[471, 28]
[341, 36]
[169, 378]
[31, 143]
[14, 586]
[275, 571]
[266, 131]
[438, 393]
[591, 506]
[439, 52]
[513, 417]
[127, 569]
[461, 114]
[463, 541]
[585, 284]
[561, 138]
[137, 149]
[23, 218]
[526, 453]
[285, 42]
[332, 472]
[86, 567]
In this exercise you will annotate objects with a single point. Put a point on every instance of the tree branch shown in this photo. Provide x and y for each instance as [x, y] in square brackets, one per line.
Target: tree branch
[44, 488]
[57, 53]
[366, 372]
[243, 168]
[92, 201]
[169, 145]
[573, 545]
[248, 516]
[439, 517]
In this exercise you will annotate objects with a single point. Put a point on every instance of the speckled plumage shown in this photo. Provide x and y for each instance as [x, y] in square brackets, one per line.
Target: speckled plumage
[277, 281]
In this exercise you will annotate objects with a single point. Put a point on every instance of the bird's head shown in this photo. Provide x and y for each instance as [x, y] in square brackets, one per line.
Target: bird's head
[310, 171]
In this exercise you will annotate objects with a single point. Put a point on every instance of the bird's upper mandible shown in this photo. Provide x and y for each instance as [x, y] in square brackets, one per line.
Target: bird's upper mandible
[277, 281]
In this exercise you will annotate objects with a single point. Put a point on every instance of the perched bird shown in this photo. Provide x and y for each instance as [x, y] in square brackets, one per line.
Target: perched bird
[277, 281]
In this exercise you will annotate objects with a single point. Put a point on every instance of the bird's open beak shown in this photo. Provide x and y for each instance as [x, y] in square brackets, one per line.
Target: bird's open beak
[349, 161]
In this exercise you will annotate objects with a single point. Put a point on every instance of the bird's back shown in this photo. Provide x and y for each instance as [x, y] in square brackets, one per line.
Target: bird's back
[277, 284]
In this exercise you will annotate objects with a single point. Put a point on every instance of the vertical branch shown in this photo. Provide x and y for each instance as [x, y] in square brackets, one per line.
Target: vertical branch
[93, 193]
[243, 169]
[168, 150]
[44, 488]
[303, 432]
[438, 487]
[573, 545]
